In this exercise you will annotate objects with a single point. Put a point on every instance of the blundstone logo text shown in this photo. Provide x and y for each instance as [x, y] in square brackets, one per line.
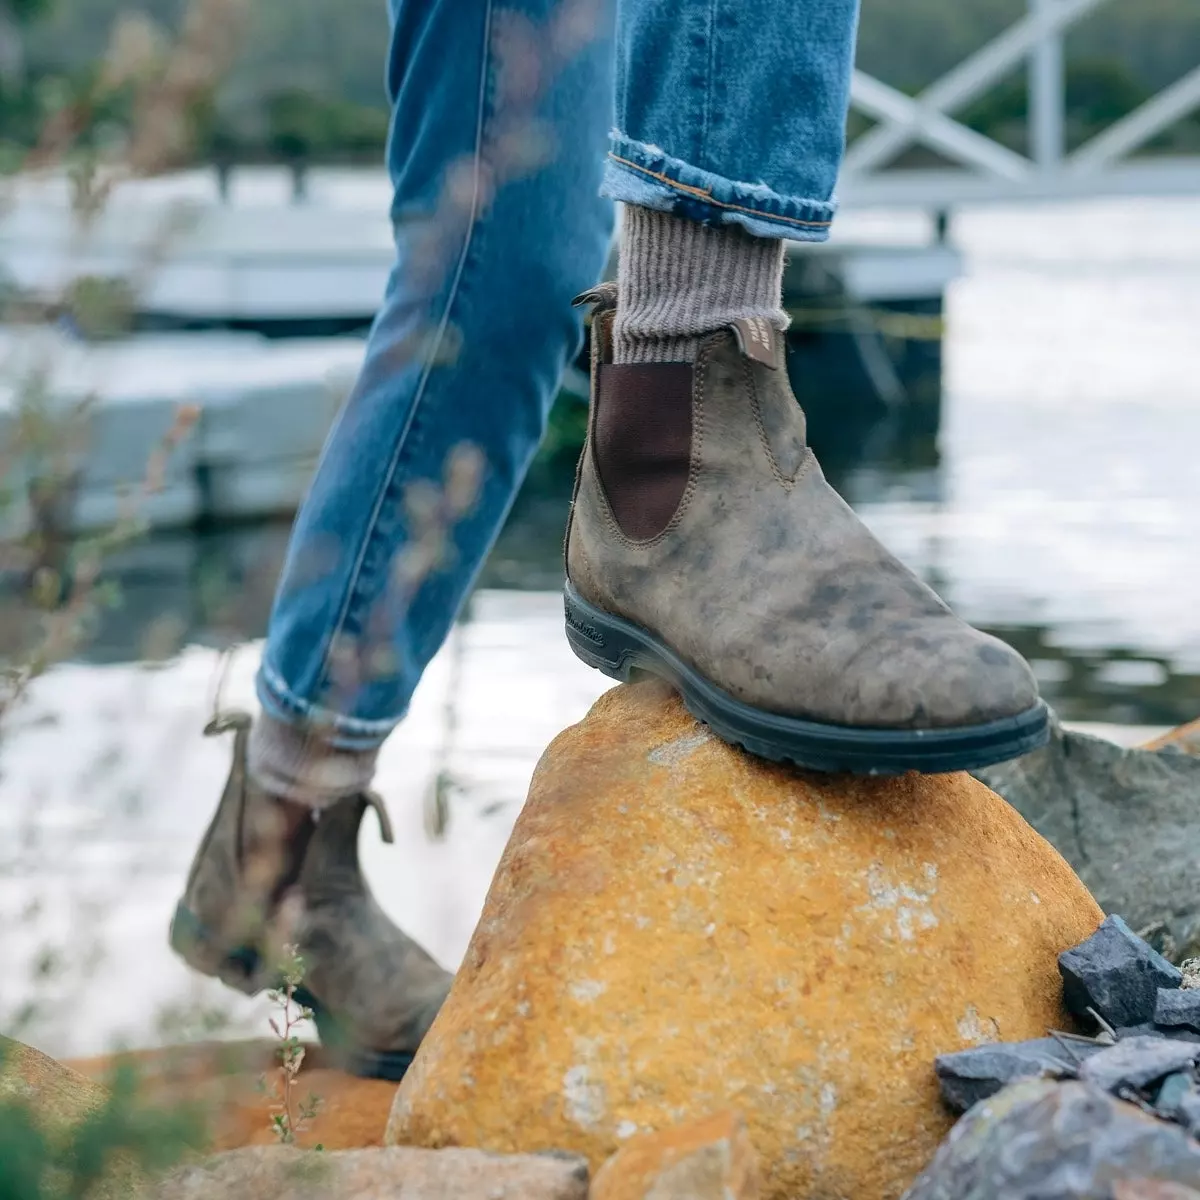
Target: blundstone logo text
[589, 631]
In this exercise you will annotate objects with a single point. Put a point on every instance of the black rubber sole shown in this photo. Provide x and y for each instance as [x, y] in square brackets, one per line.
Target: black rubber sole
[187, 931]
[621, 649]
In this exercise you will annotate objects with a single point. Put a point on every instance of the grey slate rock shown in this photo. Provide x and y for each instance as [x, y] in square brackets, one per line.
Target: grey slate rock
[1117, 974]
[1137, 1062]
[1178, 1008]
[1187, 1112]
[1172, 1092]
[968, 1076]
[1156, 1031]
[1124, 819]
[1149, 1029]
[1040, 1140]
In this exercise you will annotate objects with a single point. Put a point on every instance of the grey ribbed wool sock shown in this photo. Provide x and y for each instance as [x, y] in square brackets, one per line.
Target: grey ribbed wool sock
[292, 762]
[678, 281]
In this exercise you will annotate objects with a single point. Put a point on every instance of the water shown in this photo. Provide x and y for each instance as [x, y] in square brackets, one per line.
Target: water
[1059, 509]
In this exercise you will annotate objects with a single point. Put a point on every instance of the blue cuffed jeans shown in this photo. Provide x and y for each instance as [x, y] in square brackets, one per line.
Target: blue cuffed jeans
[727, 111]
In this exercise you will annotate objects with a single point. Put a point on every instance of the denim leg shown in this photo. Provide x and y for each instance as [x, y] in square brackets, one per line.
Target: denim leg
[495, 154]
[733, 111]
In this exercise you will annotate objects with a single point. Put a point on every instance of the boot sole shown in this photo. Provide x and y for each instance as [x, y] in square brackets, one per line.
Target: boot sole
[188, 935]
[622, 650]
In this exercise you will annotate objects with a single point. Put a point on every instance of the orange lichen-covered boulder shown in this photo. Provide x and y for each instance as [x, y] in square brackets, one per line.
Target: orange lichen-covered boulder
[237, 1086]
[676, 928]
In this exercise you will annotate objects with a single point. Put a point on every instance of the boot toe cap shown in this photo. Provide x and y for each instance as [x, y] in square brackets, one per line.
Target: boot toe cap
[975, 680]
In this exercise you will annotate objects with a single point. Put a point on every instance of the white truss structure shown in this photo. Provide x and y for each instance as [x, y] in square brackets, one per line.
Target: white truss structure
[990, 171]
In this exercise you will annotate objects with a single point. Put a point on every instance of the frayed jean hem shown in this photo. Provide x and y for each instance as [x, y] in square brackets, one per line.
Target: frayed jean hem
[636, 173]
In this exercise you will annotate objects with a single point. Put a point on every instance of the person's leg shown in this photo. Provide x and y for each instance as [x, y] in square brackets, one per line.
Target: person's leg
[495, 154]
[705, 544]
[730, 128]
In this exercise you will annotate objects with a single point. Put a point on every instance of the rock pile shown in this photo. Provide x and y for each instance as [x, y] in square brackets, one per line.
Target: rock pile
[1147, 1013]
[1070, 1141]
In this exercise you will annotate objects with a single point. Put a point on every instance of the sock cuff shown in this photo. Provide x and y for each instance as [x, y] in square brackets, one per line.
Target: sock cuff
[679, 281]
[292, 762]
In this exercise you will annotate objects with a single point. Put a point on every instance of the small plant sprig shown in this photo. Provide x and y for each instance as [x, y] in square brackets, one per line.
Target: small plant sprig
[290, 1115]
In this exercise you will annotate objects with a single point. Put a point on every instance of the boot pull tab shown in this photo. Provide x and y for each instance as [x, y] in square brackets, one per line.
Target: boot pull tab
[758, 340]
[223, 722]
[602, 296]
[385, 822]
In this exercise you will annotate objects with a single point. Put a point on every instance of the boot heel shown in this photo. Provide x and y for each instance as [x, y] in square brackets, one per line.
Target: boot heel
[597, 642]
[240, 968]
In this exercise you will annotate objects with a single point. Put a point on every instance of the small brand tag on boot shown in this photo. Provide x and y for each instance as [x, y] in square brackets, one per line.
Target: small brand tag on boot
[756, 338]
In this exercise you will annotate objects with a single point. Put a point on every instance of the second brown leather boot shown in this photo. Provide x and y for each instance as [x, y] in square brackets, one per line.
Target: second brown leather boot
[252, 888]
[705, 546]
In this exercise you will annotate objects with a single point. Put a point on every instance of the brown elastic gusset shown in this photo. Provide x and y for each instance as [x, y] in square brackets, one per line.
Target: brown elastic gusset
[643, 442]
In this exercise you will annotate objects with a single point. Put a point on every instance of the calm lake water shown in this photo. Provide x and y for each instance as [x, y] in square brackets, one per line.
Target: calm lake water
[1060, 510]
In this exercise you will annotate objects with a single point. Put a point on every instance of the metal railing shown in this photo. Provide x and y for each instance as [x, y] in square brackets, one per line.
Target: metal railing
[987, 170]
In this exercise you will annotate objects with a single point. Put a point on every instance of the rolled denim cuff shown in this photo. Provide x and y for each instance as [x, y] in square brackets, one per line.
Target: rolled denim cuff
[636, 173]
[338, 730]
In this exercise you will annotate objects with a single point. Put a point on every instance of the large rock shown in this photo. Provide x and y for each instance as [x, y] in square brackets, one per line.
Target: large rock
[1069, 1141]
[283, 1173]
[676, 929]
[1126, 820]
[55, 1094]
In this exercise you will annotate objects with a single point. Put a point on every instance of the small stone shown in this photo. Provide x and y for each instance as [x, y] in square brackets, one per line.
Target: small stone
[1137, 1062]
[1173, 1090]
[284, 1173]
[1115, 973]
[705, 1160]
[1176, 1007]
[1038, 1138]
[969, 1076]
[1190, 969]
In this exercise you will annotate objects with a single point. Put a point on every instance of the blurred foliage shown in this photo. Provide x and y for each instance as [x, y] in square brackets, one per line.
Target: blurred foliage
[308, 83]
[128, 110]
[303, 126]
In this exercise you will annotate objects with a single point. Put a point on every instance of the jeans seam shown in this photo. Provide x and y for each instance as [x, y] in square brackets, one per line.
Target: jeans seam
[709, 76]
[706, 195]
[431, 358]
